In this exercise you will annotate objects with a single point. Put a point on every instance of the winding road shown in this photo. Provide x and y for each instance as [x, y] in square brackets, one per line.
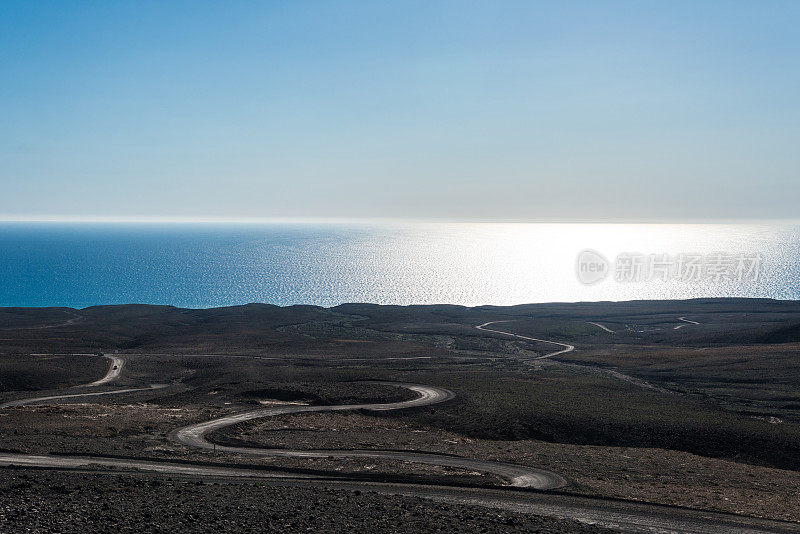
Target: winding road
[516, 475]
[195, 435]
[567, 346]
[607, 329]
[114, 370]
[686, 322]
[626, 516]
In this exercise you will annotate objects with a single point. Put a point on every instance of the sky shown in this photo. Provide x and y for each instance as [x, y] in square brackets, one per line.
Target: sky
[462, 110]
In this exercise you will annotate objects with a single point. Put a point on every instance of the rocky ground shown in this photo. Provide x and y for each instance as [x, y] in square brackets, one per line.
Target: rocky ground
[140, 431]
[646, 474]
[728, 380]
[652, 475]
[50, 501]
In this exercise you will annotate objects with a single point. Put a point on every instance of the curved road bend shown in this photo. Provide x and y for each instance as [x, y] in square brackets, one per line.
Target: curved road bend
[607, 329]
[114, 370]
[686, 322]
[625, 516]
[567, 347]
[615, 374]
[516, 475]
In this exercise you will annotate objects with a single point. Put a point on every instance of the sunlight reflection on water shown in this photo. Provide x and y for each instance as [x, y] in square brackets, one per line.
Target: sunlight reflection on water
[470, 264]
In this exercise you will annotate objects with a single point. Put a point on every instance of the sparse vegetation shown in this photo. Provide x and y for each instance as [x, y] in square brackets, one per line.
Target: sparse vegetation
[735, 402]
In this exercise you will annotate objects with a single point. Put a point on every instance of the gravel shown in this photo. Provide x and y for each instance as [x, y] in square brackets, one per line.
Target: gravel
[47, 501]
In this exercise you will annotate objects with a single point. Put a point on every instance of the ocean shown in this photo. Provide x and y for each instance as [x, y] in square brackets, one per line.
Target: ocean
[222, 264]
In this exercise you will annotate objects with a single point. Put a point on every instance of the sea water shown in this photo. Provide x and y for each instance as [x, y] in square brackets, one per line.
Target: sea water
[205, 265]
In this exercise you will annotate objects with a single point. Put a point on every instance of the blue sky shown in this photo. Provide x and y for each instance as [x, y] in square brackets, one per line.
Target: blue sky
[427, 110]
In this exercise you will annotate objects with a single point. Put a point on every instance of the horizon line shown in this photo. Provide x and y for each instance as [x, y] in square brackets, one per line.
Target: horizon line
[372, 220]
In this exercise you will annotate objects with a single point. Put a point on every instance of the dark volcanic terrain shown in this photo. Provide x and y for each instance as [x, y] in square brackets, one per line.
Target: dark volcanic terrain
[49, 502]
[689, 404]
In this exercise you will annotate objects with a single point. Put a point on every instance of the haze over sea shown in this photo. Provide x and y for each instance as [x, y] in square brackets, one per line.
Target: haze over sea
[221, 264]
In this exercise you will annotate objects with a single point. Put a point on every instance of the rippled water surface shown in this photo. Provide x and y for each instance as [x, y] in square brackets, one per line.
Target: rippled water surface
[207, 265]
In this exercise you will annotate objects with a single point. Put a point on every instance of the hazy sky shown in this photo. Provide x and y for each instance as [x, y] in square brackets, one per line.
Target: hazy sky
[461, 110]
